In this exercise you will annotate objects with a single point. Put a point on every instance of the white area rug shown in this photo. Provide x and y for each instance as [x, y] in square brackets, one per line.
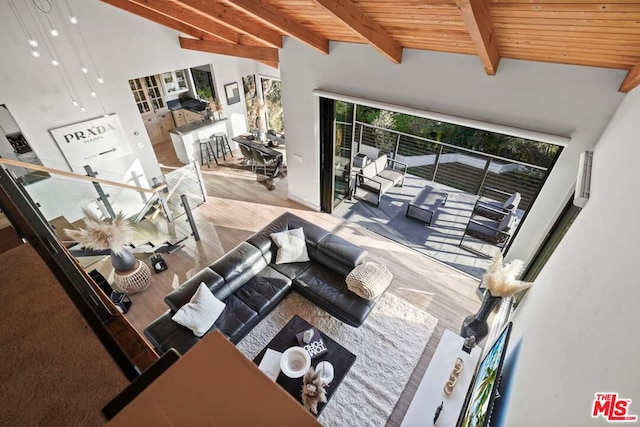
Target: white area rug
[388, 346]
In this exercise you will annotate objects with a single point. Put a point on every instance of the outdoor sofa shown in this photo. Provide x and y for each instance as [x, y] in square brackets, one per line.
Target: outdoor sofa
[380, 176]
[251, 284]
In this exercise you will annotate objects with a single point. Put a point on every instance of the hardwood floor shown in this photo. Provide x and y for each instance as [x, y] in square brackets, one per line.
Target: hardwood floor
[239, 204]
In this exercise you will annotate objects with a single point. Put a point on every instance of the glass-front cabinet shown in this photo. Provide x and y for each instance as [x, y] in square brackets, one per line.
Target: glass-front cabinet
[138, 89]
[154, 91]
[175, 81]
[147, 93]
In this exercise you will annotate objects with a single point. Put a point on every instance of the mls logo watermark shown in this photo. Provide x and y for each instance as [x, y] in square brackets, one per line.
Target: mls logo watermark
[612, 408]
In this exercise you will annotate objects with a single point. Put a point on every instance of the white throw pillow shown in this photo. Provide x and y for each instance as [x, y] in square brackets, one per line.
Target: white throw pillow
[200, 313]
[381, 163]
[508, 222]
[369, 280]
[512, 202]
[369, 171]
[292, 247]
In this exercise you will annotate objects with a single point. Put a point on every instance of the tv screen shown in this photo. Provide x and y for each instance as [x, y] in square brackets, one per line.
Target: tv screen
[485, 384]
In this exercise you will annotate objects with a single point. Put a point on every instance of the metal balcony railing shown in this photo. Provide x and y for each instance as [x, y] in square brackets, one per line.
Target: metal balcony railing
[468, 170]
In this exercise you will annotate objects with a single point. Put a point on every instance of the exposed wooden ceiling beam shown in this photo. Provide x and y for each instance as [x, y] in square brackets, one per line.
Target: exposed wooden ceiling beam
[182, 14]
[347, 12]
[262, 54]
[230, 16]
[477, 17]
[159, 18]
[631, 80]
[266, 14]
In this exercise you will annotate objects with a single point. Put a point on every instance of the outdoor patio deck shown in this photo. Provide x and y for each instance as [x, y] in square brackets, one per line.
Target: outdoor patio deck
[440, 240]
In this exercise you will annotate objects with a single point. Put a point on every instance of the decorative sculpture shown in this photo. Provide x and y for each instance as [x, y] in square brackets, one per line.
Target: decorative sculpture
[313, 391]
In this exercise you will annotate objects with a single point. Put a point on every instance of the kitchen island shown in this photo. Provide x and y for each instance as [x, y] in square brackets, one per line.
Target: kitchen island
[186, 139]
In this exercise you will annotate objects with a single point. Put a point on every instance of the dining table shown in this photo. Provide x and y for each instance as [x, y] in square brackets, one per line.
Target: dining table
[254, 144]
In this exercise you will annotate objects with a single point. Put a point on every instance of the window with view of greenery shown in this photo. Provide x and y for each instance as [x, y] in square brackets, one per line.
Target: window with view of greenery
[271, 96]
[203, 84]
[272, 92]
[251, 100]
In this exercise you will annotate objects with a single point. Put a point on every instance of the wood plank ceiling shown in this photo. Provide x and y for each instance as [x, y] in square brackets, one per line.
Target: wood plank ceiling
[580, 32]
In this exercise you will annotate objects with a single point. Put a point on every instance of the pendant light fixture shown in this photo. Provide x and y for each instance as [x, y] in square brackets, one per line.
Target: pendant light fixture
[59, 30]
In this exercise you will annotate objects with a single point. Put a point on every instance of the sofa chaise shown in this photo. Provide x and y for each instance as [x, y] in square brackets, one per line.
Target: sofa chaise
[251, 284]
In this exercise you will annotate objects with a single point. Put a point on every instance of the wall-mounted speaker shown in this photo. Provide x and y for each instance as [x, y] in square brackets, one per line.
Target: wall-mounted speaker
[583, 183]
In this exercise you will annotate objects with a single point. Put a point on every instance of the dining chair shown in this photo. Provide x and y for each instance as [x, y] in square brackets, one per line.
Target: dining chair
[248, 159]
[261, 160]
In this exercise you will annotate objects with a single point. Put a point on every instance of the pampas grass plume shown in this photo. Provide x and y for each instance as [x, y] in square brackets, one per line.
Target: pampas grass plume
[113, 234]
[500, 278]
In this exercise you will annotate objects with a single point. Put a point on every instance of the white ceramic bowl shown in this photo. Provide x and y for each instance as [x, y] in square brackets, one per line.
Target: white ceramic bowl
[295, 362]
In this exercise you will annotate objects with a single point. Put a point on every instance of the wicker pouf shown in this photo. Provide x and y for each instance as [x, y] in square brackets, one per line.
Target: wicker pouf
[133, 281]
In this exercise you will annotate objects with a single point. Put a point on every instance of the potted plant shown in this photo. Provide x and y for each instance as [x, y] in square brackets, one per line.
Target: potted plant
[108, 234]
[499, 281]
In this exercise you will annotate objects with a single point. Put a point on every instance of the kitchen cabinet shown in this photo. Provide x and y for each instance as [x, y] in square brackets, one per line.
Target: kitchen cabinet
[179, 118]
[150, 123]
[185, 117]
[148, 95]
[192, 117]
[165, 122]
[158, 127]
[175, 82]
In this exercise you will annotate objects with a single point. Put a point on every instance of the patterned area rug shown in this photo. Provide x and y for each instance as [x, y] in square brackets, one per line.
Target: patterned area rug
[388, 346]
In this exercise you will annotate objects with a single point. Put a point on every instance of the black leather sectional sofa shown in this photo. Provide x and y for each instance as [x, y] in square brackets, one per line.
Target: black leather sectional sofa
[251, 284]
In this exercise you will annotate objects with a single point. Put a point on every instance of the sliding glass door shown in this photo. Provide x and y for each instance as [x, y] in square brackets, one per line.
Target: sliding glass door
[336, 151]
[343, 147]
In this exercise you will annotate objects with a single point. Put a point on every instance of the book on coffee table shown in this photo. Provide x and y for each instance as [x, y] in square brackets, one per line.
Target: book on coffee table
[315, 347]
[270, 364]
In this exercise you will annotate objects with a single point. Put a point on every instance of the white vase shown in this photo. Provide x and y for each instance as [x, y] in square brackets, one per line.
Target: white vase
[295, 362]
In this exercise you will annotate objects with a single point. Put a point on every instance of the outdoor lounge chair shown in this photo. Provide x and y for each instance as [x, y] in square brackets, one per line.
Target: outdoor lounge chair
[496, 210]
[489, 231]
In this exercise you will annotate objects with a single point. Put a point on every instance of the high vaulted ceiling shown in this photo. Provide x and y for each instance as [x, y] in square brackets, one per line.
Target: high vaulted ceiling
[580, 32]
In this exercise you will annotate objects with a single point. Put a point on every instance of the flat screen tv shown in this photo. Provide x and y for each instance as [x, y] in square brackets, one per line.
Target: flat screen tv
[485, 384]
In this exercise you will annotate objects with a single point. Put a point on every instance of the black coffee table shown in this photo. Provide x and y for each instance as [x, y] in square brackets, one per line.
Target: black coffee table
[341, 358]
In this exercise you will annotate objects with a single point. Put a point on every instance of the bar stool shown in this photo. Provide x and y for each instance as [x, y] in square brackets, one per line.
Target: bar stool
[206, 151]
[219, 139]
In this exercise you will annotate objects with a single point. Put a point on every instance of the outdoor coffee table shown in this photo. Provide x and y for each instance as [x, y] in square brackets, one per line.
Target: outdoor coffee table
[341, 359]
[424, 206]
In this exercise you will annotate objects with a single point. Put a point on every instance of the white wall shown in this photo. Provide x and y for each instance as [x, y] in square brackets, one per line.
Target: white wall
[557, 99]
[123, 46]
[578, 324]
